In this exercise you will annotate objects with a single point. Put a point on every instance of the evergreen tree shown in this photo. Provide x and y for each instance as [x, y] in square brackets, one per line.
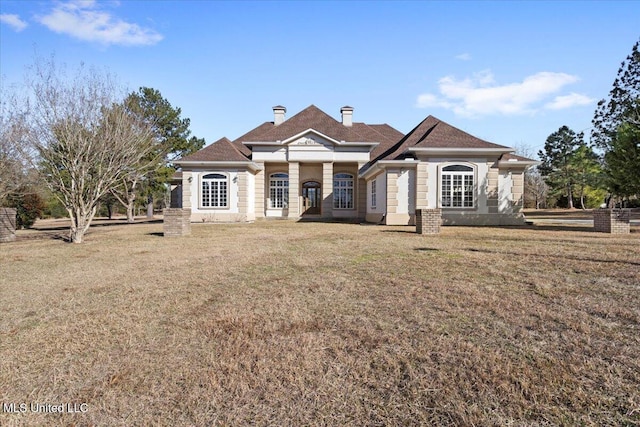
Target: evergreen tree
[586, 169]
[171, 140]
[557, 165]
[622, 162]
[616, 126]
[622, 105]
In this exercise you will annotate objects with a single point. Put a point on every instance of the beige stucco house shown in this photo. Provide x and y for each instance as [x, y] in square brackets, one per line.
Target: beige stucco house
[314, 166]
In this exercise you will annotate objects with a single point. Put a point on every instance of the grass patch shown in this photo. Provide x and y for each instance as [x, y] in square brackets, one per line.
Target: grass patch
[281, 323]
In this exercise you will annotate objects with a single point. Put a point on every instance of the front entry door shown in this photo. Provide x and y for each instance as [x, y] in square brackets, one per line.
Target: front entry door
[311, 198]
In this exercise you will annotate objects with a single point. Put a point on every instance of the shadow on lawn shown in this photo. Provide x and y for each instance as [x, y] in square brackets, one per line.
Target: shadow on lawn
[529, 255]
[61, 232]
[400, 231]
[549, 227]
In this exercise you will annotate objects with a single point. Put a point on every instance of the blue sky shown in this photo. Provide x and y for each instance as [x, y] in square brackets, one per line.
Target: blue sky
[508, 72]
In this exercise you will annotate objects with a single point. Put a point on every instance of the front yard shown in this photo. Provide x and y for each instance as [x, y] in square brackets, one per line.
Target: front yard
[283, 323]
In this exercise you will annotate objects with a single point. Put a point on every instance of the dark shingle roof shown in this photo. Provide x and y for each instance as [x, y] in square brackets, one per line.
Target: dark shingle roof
[222, 150]
[515, 157]
[311, 117]
[511, 156]
[434, 133]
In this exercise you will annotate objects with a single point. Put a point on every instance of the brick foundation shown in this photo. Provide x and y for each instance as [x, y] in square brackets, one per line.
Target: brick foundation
[177, 222]
[612, 221]
[428, 221]
[7, 224]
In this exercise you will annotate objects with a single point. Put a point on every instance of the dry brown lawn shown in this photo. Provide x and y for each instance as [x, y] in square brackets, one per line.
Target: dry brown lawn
[281, 323]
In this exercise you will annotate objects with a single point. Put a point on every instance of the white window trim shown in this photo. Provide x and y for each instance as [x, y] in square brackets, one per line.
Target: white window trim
[347, 188]
[225, 180]
[374, 194]
[473, 173]
[285, 191]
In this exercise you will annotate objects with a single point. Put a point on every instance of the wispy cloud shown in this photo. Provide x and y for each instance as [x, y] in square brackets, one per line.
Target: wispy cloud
[464, 57]
[480, 94]
[568, 101]
[85, 20]
[13, 21]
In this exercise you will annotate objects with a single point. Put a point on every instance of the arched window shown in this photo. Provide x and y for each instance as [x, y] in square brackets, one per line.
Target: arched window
[457, 189]
[279, 190]
[343, 191]
[214, 191]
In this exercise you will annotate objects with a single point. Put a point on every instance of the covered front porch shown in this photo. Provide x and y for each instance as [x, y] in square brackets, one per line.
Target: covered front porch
[310, 190]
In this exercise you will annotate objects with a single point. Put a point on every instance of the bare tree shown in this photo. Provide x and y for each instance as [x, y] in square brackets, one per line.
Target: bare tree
[126, 190]
[14, 176]
[535, 189]
[85, 138]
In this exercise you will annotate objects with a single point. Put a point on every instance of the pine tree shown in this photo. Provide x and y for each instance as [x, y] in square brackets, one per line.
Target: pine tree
[170, 140]
[557, 165]
[622, 105]
[623, 162]
[616, 128]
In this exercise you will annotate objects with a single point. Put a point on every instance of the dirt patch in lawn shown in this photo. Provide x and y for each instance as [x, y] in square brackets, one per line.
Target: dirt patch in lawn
[283, 323]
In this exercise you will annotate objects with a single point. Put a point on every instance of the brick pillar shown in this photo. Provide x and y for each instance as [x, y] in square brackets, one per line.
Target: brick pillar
[428, 221]
[177, 222]
[7, 225]
[612, 221]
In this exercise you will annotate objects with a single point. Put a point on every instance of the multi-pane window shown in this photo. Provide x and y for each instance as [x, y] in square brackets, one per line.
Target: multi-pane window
[374, 196]
[457, 190]
[343, 191]
[279, 190]
[214, 192]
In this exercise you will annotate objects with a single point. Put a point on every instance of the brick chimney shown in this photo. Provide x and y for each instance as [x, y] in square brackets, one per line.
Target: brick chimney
[347, 115]
[278, 114]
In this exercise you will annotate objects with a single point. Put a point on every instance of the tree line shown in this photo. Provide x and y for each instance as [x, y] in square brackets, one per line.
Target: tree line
[575, 173]
[88, 141]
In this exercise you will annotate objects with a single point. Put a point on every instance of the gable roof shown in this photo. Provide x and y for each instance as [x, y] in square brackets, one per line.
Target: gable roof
[392, 144]
[222, 150]
[314, 118]
[434, 133]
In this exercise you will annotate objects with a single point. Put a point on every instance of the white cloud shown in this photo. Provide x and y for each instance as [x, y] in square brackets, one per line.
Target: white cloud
[13, 21]
[568, 101]
[480, 94]
[83, 20]
[464, 57]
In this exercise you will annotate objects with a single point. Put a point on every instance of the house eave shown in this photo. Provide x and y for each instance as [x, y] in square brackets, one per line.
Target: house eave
[381, 165]
[443, 151]
[217, 163]
[305, 132]
[505, 164]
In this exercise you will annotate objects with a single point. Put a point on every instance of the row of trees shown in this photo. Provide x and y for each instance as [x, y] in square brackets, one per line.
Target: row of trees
[88, 141]
[610, 164]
